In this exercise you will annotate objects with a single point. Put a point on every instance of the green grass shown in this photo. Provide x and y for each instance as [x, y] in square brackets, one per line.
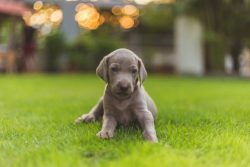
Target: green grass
[205, 122]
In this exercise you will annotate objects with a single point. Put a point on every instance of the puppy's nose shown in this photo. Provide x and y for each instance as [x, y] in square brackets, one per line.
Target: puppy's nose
[124, 86]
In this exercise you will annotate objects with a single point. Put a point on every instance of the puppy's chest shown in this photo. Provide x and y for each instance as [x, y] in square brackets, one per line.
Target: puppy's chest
[122, 106]
[124, 113]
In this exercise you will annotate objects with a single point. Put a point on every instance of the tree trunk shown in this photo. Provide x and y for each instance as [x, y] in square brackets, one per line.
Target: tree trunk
[214, 60]
[235, 52]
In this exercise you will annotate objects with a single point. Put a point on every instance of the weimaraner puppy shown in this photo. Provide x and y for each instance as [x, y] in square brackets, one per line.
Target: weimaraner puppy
[124, 99]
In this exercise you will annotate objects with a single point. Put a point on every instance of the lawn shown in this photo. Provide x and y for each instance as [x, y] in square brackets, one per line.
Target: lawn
[201, 122]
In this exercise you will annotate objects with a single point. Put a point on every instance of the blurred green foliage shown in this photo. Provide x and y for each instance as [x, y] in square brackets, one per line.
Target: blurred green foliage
[158, 18]
[53, 48]
[226, 22]
[87, 50]
[226, 25]
[83, 54]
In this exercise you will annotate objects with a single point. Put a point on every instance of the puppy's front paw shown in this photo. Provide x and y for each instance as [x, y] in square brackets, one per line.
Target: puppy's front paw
[105, 134]
[151, 137]
[85, 118]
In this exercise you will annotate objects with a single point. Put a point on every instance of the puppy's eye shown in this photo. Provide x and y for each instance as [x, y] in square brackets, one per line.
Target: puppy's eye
[114, 69]
[134, 71]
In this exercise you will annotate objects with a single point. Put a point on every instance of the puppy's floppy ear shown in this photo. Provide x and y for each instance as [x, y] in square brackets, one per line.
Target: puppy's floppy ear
[142, 71]
[102, 69]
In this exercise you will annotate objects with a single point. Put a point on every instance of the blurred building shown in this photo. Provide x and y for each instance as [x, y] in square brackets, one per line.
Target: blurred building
[188, 44]
[11, 34]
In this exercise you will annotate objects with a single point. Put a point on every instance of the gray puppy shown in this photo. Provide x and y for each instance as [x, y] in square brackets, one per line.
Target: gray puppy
[124, 99]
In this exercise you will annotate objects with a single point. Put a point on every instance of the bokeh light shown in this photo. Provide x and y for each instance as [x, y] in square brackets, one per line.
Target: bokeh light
[45, 17]
[88, 17]
[130, 10]
[142, 2]
[81, 6]
[117, 10]
[38, 5]
[126, 22]
[145, 2]
[56, 16]
[26, 17]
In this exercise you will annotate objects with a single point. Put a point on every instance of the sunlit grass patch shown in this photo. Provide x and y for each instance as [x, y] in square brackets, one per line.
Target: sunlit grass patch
[201, 122]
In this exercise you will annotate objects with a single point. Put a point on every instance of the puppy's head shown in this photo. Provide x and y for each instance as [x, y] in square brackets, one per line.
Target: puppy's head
[122, 70]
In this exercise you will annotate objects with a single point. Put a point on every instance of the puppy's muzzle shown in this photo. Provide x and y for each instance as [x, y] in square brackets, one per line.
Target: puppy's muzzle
[124, 87]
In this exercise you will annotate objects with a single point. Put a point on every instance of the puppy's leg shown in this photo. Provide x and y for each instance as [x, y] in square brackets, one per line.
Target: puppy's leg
[108, 127]
[146, 121]
[95, 113]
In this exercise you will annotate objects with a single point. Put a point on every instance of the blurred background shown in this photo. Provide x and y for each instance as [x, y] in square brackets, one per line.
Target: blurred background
[194, 37]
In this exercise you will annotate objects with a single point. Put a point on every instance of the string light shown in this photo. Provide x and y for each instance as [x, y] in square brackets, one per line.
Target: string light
[87, 15]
